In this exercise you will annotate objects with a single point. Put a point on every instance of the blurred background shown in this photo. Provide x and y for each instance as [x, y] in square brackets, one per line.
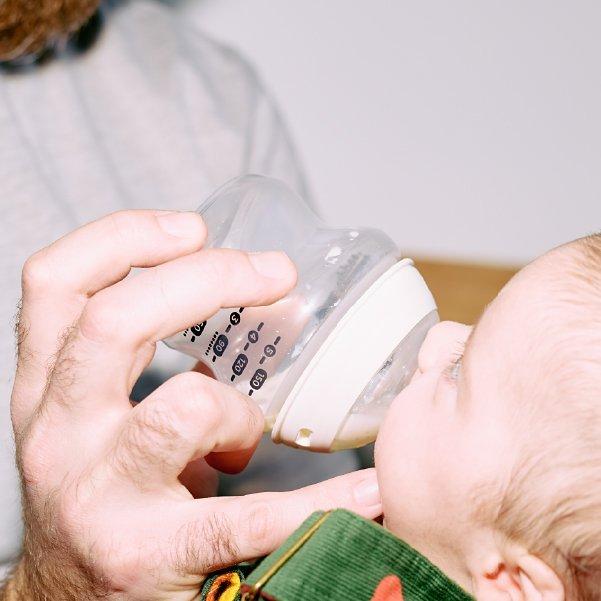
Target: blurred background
[469, 131]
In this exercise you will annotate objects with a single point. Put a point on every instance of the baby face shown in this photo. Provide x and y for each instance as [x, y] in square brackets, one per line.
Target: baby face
[448, 437]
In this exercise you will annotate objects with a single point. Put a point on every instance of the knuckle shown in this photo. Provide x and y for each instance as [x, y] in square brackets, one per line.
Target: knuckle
[212, 409]
[100, 321]
[236, 264]
[162, 425]
[261, 522]
[68, 511]
[229, 274]
[59, 501]
[325, 498]
[153, 434]
[37, 272]
[124, 224]
[212, 267]
[153, 426]
[197, 396]
[120, 568]
[32, 458]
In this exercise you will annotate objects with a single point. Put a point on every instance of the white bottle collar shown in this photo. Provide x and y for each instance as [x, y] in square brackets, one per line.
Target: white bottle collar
[350, 356]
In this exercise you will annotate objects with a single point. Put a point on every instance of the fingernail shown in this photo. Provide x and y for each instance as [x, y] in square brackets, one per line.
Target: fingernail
[272, 264]
[183, 224]
[367, 492]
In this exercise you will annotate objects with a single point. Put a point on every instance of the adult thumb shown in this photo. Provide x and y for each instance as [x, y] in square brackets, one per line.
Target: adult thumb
[258, 524]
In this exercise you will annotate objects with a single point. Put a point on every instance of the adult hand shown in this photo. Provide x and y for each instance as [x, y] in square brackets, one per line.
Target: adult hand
[105, 513]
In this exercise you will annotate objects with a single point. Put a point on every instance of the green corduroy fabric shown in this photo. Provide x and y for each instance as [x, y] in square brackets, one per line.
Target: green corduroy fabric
[346, 558]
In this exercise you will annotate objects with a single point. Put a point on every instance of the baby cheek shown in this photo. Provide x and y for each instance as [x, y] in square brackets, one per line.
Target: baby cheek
[386, 456]
[389, 433]
[403, 440]
[390, 450]
[399, 470]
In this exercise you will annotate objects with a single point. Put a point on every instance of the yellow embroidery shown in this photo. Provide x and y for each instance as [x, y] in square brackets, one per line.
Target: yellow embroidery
[225, 587]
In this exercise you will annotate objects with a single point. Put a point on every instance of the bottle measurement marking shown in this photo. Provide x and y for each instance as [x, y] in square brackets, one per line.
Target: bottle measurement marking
[239, 365]
[195, 330]
[257, 380]
[253, 336]
[269, 351]
[220, 346]
[211, 343]
[235, 317]
[260, 376]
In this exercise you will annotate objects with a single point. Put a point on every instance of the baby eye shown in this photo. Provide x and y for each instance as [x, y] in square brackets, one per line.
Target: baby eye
[453, 369]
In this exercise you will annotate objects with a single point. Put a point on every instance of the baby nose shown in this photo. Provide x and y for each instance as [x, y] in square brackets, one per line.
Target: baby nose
[441, 342]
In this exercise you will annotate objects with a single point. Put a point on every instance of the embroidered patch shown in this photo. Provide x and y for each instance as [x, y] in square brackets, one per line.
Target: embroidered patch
[225, 587]
[389, 589]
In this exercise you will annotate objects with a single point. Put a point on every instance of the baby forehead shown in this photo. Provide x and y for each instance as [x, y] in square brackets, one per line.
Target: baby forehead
[519, 311]
[549, 313]
[562, 282]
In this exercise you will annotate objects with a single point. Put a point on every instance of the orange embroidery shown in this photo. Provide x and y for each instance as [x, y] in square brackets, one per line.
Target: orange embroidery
[224, 588]
[389, 589]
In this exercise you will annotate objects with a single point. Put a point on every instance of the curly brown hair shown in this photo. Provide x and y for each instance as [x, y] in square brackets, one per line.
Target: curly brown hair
[29, 26]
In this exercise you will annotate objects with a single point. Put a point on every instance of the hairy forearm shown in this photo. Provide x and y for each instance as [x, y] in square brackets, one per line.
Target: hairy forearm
[16, 587]
[29, 582]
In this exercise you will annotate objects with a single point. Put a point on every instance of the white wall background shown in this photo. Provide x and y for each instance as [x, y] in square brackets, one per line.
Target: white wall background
[469, 129]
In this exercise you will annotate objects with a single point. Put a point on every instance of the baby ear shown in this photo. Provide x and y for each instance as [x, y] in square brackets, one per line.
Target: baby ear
[539, 581]
[528, 578]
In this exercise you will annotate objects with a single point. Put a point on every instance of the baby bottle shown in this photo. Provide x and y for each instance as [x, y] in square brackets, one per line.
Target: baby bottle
[325, 362]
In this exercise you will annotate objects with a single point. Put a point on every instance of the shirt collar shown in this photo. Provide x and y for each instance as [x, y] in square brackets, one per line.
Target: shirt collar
[340, 556]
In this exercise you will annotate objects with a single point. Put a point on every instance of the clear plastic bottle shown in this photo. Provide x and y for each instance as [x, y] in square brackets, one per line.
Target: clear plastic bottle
[285, 356]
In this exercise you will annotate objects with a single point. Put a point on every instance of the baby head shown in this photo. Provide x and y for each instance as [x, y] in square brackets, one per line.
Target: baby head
[489, 462]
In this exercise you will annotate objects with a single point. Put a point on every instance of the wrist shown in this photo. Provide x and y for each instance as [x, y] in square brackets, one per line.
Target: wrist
[36, 581]
[16, 588]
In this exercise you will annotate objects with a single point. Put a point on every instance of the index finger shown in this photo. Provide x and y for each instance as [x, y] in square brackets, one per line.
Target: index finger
[58, 280]
[120, 325]
[168, 298]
